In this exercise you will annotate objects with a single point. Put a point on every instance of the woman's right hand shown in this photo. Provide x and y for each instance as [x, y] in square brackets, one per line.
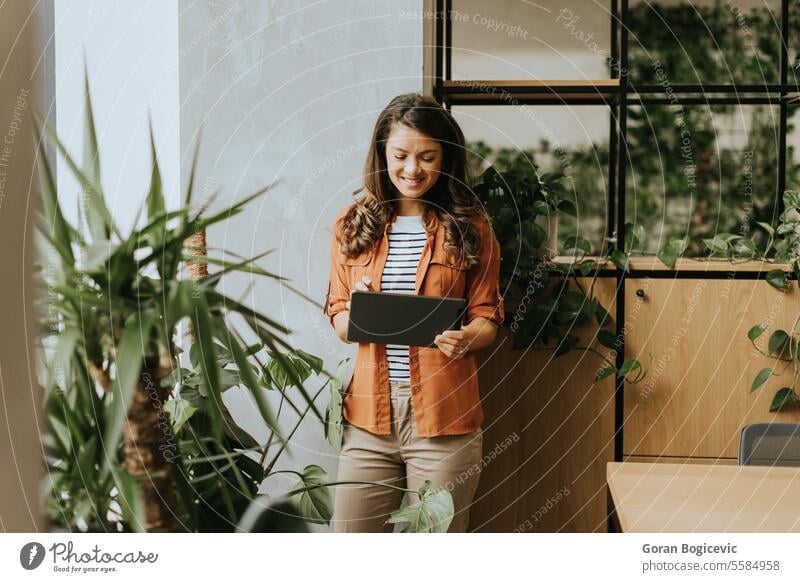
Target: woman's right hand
[341, 321]
[363, 285]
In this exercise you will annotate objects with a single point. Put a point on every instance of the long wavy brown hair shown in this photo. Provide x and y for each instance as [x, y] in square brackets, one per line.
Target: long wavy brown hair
[449, 198]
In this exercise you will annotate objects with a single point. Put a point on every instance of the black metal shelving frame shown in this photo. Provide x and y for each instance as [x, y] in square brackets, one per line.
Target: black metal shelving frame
[618, 99]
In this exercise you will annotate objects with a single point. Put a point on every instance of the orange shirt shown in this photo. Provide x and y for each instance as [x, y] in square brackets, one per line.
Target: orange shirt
[444, 391]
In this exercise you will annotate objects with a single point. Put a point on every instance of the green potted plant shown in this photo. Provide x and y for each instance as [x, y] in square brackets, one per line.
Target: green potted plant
[556, 303]
[783, 345]
[138, 437]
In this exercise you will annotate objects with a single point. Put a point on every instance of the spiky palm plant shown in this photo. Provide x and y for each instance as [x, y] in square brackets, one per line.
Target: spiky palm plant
[130, 429]
[136, 439]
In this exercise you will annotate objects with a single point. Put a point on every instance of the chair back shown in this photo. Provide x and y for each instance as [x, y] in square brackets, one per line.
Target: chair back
[770, 444]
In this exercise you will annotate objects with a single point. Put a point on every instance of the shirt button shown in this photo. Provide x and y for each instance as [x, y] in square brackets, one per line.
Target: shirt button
[415, 388]
[414, 358]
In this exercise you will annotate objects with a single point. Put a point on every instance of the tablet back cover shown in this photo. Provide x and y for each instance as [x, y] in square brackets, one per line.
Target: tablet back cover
[400, 318]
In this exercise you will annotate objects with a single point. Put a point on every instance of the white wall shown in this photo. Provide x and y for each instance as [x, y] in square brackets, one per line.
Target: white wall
[289, 92]
[131, 50]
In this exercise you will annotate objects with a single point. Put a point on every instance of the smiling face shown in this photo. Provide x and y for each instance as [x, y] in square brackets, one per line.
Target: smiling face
[413, 160]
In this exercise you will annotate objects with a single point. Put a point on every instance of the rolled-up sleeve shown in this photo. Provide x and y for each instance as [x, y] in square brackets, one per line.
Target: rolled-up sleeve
[338, 292]
[483, 280]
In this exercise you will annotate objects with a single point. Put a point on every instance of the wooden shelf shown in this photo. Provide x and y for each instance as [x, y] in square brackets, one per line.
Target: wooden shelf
[477, 91]
[652, 263]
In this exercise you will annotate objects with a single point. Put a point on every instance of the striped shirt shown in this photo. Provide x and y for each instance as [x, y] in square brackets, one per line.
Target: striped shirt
[406, 241]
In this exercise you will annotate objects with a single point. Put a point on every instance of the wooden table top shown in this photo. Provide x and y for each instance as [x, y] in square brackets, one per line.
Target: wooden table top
[665, 497]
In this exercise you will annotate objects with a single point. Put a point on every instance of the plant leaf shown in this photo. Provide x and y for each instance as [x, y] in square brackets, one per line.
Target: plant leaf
[777, 278]
[250, 380]
[130, 352]
[760, 378]
[620, 259]
[204, 336]
[129, 499]
[756, 331]
[716, 244]
[155, 196]
[604, 372]
[333, 413]
[777, 341]
[782, 397]
[433, 512]
[628, 366]
[315, 504]
[98, 217]
[51, 208]
[180, 411]
[607, 338]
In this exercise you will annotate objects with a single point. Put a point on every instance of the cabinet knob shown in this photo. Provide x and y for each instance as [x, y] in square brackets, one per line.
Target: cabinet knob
[640, 292]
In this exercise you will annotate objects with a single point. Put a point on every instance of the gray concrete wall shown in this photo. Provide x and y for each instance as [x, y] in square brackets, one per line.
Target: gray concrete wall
[288, 92]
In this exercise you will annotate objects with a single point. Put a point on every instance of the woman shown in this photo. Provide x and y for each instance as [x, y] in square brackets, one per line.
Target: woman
[411, 413]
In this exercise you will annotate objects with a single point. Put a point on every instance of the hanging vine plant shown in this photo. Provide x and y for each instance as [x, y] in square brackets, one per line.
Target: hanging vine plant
[553, 304]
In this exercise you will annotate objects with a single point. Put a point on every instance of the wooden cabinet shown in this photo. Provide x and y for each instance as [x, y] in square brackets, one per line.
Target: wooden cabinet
[689, 408]
[552, 477]
[696, 396]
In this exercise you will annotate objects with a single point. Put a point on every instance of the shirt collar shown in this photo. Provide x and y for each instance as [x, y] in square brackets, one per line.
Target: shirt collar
[428, 218]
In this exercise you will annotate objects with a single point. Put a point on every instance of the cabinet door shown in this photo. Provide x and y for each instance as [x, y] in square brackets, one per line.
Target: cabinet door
[696, 396]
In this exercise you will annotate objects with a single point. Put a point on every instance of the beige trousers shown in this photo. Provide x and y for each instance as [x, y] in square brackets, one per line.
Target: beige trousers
[402, 459]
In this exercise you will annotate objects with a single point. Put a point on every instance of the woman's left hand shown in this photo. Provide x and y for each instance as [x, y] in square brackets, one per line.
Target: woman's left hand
[454, 342]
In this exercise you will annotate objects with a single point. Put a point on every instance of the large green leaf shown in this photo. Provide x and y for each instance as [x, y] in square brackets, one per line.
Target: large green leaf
[59, 228]
[791, 199]
[608, 339]
[91, 155]
[756, 331]
[578, 242]
[132, 348]
[155, 195]
[777, 342]
[777, 278]
[620, 259]
[783, 397]
[180, 411]
[129, 499]
[333, 413]
[629, 366]
[249, 379]
[87, 461]
[271, 341]
[315, 503]
[204, 336]
[668, 256]
[433, 512]
[760, 378]
[98, 217]
[316, 363]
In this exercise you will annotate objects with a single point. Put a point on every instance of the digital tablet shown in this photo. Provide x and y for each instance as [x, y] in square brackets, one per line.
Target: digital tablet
[400, 318]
